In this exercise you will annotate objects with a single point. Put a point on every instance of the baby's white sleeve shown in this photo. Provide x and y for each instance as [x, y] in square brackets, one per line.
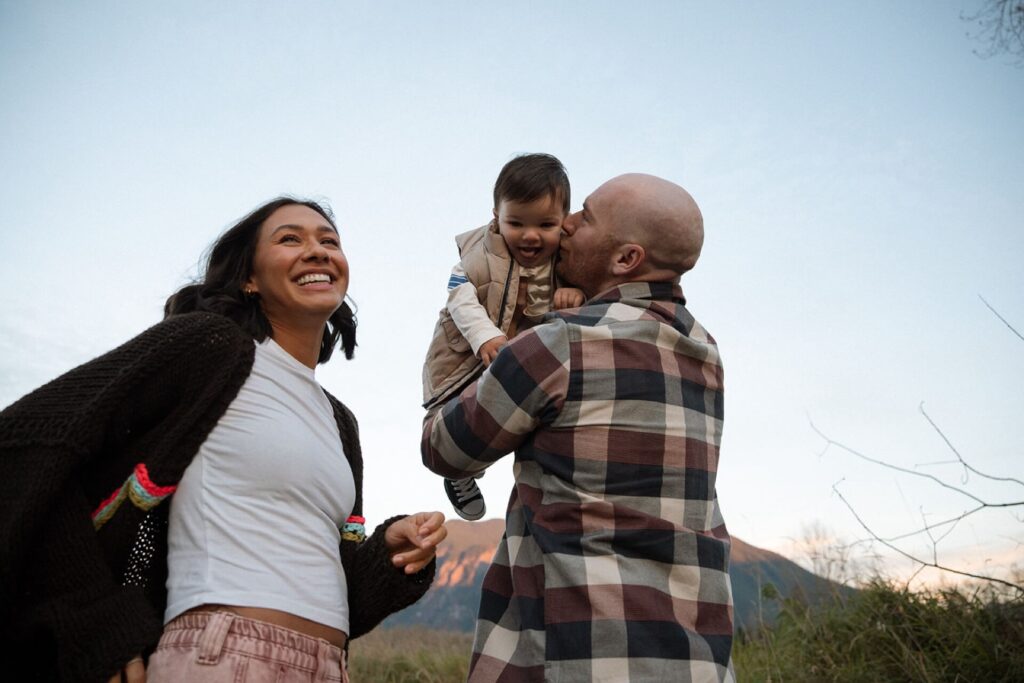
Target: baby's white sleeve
[468, 314]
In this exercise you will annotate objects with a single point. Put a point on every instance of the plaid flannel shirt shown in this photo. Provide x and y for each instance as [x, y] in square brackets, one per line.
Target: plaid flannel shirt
[614, 562]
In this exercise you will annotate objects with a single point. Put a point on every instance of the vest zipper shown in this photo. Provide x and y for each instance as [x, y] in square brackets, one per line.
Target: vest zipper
[504, 294]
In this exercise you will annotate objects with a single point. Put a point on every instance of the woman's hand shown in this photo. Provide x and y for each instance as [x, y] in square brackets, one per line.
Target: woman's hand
[413, 540]
[132, 672]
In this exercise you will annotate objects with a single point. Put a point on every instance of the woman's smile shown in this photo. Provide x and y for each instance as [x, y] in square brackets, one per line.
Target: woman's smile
[299, 254]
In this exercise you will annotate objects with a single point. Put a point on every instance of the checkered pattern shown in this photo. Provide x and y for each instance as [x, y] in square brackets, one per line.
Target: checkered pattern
[614, 563]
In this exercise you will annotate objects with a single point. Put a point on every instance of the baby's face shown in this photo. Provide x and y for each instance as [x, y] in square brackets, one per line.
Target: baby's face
[531, 230]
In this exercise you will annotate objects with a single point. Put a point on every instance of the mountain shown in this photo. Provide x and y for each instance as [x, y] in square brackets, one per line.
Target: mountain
[451, 603]
[751, 568]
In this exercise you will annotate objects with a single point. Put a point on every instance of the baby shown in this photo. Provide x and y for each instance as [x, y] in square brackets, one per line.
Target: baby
[504, 282]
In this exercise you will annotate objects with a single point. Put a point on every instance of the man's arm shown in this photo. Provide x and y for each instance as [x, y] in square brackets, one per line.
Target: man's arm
[522, 390]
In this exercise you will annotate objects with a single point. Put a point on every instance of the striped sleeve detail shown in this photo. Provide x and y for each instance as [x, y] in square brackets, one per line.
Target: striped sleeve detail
[354, 529]
[139, 489]
[456, 280]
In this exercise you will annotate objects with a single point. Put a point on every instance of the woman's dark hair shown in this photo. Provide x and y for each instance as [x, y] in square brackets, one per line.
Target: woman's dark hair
[220, 289]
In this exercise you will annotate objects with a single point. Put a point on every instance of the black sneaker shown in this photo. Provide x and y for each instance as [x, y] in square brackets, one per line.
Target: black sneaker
[466, 498]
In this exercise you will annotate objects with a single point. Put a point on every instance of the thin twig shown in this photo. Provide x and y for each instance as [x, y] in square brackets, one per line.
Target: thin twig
[996, 313]
[952, 520]
[936, 463]
[963, 462]
[935, 544]
[948, 531]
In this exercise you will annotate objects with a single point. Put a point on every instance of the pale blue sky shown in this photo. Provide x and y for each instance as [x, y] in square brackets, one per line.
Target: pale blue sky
[859, 169]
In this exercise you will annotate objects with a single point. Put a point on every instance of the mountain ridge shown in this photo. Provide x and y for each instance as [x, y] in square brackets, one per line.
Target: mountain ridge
[463, 559]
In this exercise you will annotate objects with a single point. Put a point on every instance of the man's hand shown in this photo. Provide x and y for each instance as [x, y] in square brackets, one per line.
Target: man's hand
[489, 349]
[567, 297]
[413, 540]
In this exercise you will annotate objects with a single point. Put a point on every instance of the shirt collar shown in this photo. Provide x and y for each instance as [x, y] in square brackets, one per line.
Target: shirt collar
[651, 291]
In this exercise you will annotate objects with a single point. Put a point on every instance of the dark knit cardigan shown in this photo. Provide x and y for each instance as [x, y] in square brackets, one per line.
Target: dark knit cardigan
[86, 465]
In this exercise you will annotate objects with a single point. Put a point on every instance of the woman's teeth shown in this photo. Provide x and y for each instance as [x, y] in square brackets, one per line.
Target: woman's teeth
[315, 277]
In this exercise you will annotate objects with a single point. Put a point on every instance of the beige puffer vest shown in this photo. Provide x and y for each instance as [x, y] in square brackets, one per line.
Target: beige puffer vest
[450, 364]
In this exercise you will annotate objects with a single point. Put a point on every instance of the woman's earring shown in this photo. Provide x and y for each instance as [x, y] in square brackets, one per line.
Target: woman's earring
[249, 293]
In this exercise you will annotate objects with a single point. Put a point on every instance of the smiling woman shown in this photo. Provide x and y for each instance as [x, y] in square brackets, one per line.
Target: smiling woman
[299, 272]
[223, 485]
[288, 236]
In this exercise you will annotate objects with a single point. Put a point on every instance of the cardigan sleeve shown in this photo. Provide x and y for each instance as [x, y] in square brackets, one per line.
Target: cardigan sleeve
[376, 588]
[63, 448]
[76, 605]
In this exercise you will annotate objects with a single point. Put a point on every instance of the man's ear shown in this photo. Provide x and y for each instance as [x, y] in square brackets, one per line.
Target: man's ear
[628, 259]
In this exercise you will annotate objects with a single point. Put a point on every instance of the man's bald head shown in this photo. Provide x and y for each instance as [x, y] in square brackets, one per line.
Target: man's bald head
[634, 228]
[658, 215]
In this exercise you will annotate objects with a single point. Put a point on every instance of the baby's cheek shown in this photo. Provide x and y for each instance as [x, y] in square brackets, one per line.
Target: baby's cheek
[551, 244]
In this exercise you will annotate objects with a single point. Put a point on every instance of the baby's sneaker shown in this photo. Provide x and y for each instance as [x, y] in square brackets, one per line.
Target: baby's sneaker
[466, 498]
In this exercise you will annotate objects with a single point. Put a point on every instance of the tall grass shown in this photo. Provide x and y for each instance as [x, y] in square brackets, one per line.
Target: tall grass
[888, 633]
[882, 633]
[410, 655]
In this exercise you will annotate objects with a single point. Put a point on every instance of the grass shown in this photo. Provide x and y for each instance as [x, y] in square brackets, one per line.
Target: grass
[410, 655]
[888, 633]
[883, 633]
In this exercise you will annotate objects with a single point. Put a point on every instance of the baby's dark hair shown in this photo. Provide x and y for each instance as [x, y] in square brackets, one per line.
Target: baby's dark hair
[529, 177]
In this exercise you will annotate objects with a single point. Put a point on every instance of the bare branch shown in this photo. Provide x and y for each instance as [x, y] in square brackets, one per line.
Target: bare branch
[963, 462]
[924, 563]
[944, 527]
[1000, 23]
[897, 468]
[1012, 328]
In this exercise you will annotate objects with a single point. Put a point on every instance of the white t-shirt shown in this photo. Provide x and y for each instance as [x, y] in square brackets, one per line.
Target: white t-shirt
[256, 519]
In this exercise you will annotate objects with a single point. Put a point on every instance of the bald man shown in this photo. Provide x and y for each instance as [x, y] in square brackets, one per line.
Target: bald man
[614, 562]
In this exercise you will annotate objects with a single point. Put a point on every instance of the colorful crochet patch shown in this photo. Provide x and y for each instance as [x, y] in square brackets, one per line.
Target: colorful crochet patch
[354, 529]
[138, 488]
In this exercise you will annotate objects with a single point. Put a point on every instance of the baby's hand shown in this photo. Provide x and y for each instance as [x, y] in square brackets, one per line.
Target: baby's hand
[489, 349]
[567, 297]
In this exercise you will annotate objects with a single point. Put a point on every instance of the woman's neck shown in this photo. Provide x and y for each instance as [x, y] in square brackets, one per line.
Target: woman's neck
[302, 343]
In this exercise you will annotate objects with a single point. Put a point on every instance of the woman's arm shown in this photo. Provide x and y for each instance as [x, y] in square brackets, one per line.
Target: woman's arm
[378, 585]
[64, 448]
[74, 615]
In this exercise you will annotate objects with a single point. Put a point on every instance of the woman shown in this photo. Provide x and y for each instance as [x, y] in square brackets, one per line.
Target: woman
[259, 559]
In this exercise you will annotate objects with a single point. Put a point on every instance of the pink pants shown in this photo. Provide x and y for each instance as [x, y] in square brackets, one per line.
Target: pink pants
[215, 647]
